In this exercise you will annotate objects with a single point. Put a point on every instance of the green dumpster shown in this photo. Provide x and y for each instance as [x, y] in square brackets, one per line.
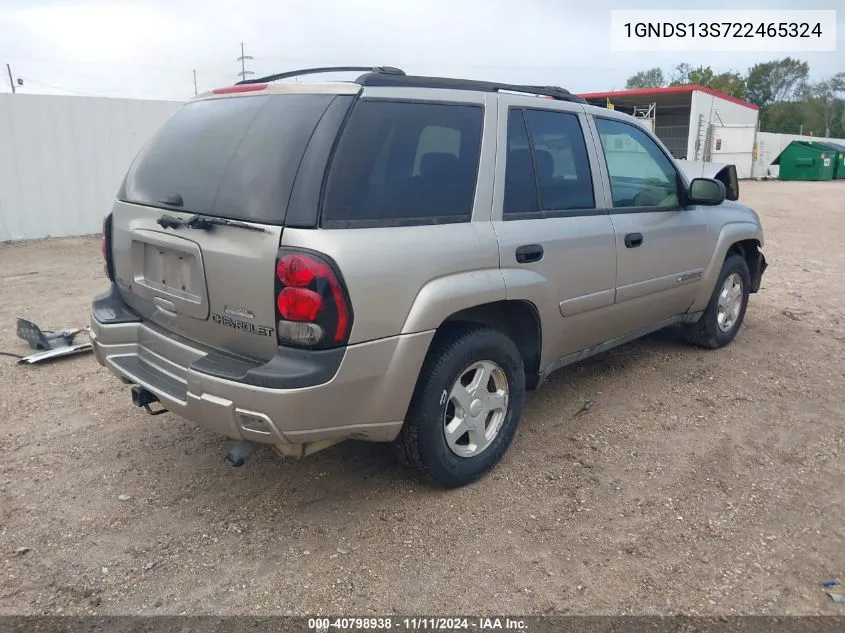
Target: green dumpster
[806, 160]
[839, 168]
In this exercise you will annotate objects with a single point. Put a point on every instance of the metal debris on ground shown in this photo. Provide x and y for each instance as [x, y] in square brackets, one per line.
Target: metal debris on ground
[586, 408]
[833, 582]
[838, 598]
[50, 344]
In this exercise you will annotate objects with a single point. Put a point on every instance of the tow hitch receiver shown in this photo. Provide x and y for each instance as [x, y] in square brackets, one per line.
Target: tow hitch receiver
[143, 398]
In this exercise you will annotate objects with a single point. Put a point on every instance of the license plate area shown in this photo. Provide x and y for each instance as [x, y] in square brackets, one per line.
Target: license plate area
[171, 272]
[169, 267]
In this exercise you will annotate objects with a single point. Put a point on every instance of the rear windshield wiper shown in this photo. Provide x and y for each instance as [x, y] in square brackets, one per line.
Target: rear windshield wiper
[203, 222]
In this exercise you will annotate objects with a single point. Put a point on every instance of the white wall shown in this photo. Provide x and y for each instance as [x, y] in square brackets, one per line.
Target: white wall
[734, 125]
[771, 144]
[62, 159]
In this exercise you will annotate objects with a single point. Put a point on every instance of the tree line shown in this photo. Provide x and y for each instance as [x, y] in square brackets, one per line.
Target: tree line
[789, 102]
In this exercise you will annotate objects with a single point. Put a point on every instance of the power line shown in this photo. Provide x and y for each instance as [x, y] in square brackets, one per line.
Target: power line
[77, 63]
[443, 62]
[242, 59]
[76, 92]
[123, 94]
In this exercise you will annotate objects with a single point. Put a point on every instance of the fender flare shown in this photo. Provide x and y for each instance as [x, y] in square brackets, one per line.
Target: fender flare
[438, 299]
[730, 234]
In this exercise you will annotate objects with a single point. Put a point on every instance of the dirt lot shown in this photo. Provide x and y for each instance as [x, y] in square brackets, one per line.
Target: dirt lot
[702, 482]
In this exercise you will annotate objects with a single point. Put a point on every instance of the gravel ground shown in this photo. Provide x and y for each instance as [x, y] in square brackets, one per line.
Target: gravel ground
[701, 483]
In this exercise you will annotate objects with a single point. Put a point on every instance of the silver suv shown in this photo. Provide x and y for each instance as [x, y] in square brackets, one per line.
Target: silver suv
[398, 259]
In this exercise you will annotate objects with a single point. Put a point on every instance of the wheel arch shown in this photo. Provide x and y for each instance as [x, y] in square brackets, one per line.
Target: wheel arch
[742, 238]
[748, 249]
[517, 319]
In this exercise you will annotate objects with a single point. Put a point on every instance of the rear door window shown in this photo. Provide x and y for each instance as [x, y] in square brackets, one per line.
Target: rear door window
[230, 157]
[520, 180]
[404, 163]
[560, 158]
[547, 168]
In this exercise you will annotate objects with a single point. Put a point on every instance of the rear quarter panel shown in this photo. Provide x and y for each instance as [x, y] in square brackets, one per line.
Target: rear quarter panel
[409, 279]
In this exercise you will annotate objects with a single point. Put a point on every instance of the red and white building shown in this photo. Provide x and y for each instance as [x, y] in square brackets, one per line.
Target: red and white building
[694, 122]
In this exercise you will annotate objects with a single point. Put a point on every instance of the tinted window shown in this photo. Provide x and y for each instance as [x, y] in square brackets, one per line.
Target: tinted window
[640, 173]
[231, 157]
[560, 158]
[520, 183]
[405, 162]
[555, 159]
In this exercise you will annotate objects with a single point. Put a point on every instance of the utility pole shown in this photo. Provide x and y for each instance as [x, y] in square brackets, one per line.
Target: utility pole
[11, 82]
[195, 82]
[242, 59]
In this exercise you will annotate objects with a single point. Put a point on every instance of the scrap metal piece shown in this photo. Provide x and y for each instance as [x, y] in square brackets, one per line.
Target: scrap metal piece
[50, 344]
[51, 354]
[40, 339]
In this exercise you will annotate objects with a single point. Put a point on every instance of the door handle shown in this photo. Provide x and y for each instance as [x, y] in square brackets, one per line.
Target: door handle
[632, 240]
[529, 253]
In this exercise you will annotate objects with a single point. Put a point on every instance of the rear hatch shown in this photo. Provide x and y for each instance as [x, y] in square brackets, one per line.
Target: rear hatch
[229, 162]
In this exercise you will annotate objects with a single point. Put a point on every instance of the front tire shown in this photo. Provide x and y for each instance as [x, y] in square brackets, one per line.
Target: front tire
[466, 406]
[726, 310]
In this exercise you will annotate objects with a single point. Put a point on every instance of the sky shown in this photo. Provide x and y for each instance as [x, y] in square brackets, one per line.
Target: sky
[150, 48]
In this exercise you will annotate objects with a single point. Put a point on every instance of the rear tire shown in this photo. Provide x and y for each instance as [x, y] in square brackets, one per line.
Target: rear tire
[481, 368]
[726, 310]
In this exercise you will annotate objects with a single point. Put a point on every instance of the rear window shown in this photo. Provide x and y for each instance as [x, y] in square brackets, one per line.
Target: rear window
[404, 163]
[229, 157]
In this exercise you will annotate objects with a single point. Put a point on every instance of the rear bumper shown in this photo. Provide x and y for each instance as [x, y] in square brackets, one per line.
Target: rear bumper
[366, 397]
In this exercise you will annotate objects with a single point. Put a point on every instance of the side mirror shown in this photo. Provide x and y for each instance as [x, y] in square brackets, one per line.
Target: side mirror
[706, 191]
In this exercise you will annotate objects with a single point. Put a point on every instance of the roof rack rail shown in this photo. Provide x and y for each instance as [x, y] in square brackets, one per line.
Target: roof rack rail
[388, 70]
[555, 92]
[410, 81]
[390, 76]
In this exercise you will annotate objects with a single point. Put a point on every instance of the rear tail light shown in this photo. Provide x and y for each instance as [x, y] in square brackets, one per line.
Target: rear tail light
[108, 262]
[312, 305]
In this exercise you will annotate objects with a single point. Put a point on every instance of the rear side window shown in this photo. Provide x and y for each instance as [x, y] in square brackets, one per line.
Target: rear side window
[547, 166]
[404, 163]
[229, 157]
